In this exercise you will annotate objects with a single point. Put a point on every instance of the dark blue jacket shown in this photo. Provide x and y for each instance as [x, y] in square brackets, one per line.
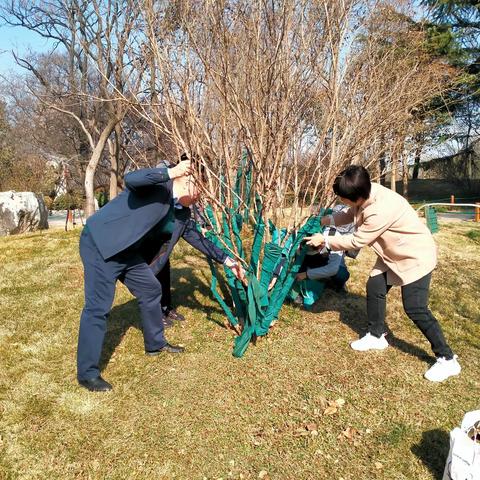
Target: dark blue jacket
[138, 209]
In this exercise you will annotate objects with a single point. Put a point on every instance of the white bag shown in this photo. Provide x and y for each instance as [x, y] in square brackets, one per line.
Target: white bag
[463, 462]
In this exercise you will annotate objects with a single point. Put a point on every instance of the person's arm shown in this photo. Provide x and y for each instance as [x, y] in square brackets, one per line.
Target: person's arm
[147, 177]
[208, 248]
[374, 224]
[327, 271]
[202, 244]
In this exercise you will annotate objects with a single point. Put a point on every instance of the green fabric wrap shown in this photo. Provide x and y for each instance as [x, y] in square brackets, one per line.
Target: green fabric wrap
[271, 256]
[255, 305]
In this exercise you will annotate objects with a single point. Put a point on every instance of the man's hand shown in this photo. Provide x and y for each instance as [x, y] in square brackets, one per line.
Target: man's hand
[301, 276]
[180, 169]
[273, 281]
[316, 241]
[237, 269]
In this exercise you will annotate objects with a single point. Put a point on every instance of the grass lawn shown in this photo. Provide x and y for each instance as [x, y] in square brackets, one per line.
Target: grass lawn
[299, 405]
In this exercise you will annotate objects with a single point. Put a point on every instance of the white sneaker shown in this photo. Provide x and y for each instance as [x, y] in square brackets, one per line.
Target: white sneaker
[369, 342]
[442, 369]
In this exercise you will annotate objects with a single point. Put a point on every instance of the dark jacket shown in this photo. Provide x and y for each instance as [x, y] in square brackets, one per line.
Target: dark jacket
[138, 209]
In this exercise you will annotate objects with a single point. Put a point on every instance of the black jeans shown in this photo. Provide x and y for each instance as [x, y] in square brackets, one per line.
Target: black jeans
[164, 278]
[415, 304]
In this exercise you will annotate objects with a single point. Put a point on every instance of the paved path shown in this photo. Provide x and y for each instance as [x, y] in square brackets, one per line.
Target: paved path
[58, 218]
[456, 217]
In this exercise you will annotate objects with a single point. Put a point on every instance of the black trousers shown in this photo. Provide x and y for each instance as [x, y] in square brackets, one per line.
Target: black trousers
[148, 252]
[100, 279]
[164, 278]
[415, 304]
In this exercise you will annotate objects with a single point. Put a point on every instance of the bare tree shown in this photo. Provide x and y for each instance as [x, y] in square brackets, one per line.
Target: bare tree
[302, 87]
[95, 36]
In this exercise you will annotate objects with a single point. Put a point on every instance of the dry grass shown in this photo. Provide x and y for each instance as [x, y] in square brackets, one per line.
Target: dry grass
[205, 414]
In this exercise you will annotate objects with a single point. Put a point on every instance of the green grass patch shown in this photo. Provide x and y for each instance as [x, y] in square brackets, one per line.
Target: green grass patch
[473, 235]
[299, 405]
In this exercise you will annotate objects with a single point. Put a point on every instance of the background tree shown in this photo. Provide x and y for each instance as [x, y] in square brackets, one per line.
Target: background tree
[95, 37]
[455, 33]
[6, 150]
[305, 87]
[22, 167]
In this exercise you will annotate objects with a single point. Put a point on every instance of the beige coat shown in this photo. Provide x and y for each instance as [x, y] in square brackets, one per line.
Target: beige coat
[386, 222]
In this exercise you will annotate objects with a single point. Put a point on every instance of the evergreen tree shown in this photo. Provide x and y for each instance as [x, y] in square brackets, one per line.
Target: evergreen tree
[455, 34]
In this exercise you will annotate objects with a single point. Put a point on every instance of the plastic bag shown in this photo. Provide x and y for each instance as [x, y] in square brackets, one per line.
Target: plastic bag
[463, 462]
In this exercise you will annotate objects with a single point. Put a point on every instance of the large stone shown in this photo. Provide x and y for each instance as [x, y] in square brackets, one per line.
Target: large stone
[22, 212]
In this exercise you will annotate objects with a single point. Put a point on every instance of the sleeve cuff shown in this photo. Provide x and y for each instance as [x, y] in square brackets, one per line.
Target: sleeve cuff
[327, 244]
[229, 262]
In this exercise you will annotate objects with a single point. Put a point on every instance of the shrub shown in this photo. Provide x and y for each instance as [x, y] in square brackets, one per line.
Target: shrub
[67, 201]
[102, 198]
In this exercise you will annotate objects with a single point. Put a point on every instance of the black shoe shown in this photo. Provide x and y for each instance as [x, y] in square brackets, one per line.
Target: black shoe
[173, 315]
[96, 384]
[167, 322]
[166, 348]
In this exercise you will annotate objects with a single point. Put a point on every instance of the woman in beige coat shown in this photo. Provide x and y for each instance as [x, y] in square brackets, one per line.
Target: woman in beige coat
[406, 256]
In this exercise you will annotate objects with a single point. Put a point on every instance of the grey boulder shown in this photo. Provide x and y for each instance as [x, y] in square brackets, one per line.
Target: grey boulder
[22, 212]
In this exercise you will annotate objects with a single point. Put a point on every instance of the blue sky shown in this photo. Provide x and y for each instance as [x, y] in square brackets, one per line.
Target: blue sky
[21, 40]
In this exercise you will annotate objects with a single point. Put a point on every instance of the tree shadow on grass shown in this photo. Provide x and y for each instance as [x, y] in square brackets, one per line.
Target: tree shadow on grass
[353, 313]
[433, 451]
[186, 283]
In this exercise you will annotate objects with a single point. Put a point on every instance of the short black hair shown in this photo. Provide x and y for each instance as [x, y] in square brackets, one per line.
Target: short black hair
[353, 183]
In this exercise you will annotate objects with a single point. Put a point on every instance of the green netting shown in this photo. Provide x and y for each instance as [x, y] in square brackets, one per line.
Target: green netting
[255, 306]
[431, 217]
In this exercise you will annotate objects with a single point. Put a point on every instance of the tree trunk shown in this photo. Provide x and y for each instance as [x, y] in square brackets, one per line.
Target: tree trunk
[405, 177]
[114, 148]
[89, 190]
[113, 189]
[382, 164]
[416, 166]
[92, 166]
[393, 177]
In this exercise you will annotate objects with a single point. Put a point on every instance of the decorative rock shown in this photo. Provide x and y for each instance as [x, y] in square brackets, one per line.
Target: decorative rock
[22, 212]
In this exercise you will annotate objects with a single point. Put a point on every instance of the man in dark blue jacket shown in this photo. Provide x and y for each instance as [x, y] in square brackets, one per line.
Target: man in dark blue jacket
[155, 203]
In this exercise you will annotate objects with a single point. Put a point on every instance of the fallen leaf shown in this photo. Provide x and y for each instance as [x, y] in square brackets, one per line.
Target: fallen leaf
[262, 474]
[311, 426]
[331, 410]
[350, 432]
